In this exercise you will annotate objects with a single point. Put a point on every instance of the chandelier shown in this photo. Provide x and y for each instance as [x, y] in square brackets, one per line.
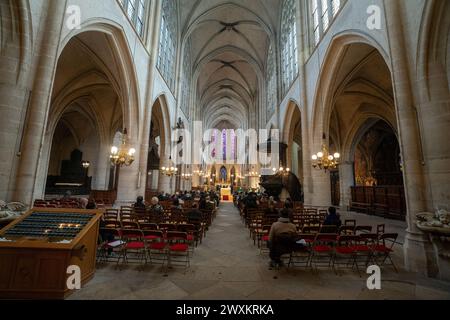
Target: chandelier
[253, 174]
[281, 171]
[323, 160]
[186, 176]
[122, 155]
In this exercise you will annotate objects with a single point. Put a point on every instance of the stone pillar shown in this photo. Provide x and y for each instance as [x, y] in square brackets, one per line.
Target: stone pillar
[127, 189]
[417, 248]
[433, 84]
[102, 170]
[15, 52]
[346, 181]
[153, 45]
[46, 60]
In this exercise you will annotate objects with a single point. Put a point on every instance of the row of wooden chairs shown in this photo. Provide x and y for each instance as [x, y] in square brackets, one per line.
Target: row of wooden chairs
[349, 229]
[334, 250]
[196, 230]
[147, 246]
[135, 215]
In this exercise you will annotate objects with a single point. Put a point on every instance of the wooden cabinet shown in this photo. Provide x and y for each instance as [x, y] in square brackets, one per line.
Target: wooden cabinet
[37, 249]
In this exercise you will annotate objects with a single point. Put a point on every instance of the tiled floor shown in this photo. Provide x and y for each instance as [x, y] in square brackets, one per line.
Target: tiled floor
[228, 266]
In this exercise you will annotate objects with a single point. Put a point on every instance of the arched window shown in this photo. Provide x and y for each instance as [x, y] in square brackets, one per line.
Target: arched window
[168, 43]
[186, 81]
[323, 12]
[135, 10]
[289, 48]
[224, 145]
[213, 142]
[271, 79]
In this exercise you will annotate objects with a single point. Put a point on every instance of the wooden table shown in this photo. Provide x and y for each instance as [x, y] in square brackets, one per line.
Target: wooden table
[36, 267]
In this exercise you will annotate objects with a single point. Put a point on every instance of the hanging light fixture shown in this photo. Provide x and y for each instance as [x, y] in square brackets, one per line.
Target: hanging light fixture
[123, 155]
[169, 171]
[323, 160]
[281, 171]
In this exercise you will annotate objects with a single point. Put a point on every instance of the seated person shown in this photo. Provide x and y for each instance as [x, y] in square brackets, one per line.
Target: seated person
[333, 219]
[83, 203]
[271, 210]
[91, 204]
[139, 203]
[194, 214]
[282, 238]
[176, 204]
[210, 205]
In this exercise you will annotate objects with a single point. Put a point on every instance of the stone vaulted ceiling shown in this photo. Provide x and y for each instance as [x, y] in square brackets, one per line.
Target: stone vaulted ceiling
[229, 41]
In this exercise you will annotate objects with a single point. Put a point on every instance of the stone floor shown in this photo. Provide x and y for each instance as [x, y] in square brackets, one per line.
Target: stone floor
[227, 266]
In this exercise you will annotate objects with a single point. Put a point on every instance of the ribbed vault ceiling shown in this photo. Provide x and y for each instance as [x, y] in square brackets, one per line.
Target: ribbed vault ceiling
[229, 41]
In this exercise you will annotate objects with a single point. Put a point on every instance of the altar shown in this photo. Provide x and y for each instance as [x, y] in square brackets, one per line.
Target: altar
[225, 194]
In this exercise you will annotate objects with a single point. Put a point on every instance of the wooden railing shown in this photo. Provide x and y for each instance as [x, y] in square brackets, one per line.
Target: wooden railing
[386, 201]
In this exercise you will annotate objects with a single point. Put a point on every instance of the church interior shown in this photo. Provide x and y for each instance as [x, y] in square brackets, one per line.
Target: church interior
[154, 149]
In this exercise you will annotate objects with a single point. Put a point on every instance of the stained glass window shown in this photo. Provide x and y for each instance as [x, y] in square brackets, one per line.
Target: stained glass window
[322, 13]
[186, 80]
[289, 48]
[271, 83]
[168, 43]
[135, 10]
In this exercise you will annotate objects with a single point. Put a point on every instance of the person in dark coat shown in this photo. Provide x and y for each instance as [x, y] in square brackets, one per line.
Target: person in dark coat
[333, 218]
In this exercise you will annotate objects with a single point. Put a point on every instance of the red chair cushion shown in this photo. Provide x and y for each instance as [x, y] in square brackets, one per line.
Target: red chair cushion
[322, 249]
[265, 238]
[179, 247]
[158, 246]
[345, 250]
[135, 245]
[152, 237]
[362, 248]
[381, 248]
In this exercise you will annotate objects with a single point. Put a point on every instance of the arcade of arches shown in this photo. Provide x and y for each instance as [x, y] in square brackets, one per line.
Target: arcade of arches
[156, 73]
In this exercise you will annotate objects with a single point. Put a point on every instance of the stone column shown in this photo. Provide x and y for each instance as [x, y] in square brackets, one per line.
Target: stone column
[15, 56]
[346, 181]
[417, 248]
[433, 84]
[153, 45]
[130, 178]
[304, 54]
[103, 168]
[39, 101]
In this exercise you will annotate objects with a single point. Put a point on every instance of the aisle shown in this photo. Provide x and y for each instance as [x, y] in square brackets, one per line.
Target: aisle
[228, 266]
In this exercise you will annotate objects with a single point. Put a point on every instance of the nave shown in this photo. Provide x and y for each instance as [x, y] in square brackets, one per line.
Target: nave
[228, 266]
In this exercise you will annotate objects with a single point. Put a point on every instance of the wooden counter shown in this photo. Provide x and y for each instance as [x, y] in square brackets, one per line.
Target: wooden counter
[35, 267]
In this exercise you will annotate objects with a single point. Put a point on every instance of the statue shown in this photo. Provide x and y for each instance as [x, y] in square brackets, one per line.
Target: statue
[180, 124]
